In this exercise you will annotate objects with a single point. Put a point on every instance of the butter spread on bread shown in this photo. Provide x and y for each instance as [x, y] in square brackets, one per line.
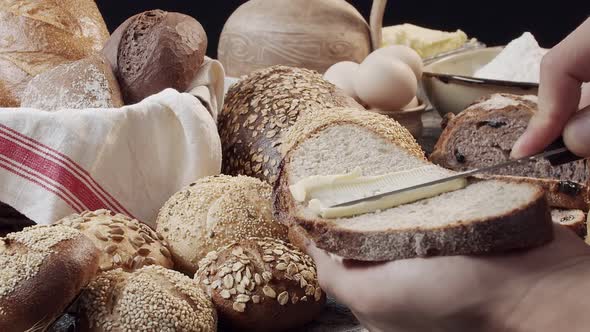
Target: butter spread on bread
[323, 192]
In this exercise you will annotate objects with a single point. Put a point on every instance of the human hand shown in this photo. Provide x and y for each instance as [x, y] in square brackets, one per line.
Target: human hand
[508, 292]
[563, 70]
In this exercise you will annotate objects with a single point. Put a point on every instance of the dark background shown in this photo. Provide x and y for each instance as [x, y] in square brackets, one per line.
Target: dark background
[493, 22]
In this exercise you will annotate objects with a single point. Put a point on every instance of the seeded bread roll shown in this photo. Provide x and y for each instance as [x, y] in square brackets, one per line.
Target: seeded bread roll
[86, 83]
[261, 284]
[213, 212]
[43, 268]
[156, 50]
[124, 242]
[260, 110]
[150, 299]
[39, 35]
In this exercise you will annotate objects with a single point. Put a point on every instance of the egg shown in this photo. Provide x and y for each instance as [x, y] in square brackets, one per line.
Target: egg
[342, 75]
[385, 83]
[405, 54]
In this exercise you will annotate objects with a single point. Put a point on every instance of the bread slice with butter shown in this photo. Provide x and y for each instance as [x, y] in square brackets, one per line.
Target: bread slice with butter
[485, 216]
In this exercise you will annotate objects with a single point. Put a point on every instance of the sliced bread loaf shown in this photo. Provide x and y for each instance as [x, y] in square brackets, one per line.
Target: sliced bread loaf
[259, 112]
[486, 216]
[483, 135]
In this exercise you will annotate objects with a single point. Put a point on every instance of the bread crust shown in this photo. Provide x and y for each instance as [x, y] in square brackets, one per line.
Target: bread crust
[37, 301]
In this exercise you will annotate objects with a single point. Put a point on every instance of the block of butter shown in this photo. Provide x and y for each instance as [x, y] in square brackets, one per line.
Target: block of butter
[426, 42]
[322, 192]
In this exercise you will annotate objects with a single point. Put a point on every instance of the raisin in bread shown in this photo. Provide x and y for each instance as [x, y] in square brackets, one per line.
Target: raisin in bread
[483, 135]
[485, 216]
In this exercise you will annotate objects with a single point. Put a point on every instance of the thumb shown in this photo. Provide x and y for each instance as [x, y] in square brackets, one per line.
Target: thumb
[576, 134]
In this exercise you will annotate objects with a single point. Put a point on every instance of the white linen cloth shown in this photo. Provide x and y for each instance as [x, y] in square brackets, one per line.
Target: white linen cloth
[128, 160]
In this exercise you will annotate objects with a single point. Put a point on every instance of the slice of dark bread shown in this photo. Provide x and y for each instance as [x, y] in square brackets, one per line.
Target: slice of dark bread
[483, 135]
[572, 219]
[486, 216]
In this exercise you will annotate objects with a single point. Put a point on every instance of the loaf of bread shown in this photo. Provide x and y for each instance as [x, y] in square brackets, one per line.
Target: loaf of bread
[43, 268]
[123, 242]
[483, 135]
[260, 110]
[485, 216]
[86, 83]
[39, 35]
[261, 284]
[213, 212]
[150, 299]
[156, 50]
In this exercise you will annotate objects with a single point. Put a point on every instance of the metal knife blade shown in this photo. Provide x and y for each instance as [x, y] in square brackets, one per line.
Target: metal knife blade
[556, 153]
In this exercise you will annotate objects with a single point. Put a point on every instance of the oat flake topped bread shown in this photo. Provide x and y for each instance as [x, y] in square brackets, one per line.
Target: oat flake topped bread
[150, 299]
[485, 216]
[261, 284]
[124, 242]
[213, 212]
[43, 268]
[39, 35]
[483, 135]
[260, 110]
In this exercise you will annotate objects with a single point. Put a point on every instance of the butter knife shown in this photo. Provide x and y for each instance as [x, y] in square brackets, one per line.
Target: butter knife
[556, 153]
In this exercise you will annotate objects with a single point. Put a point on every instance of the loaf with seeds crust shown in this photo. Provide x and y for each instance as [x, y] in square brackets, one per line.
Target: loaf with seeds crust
[150, 299]
[213, 212]
[261, 284]
[124, 242]
[260, 110]
[42, 270]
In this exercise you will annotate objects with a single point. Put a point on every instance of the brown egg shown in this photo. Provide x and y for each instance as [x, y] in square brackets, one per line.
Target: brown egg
[384, 83]
[405, 54]
[342, 75]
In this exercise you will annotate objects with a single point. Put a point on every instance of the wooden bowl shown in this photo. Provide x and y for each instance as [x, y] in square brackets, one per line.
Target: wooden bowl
[410, 118]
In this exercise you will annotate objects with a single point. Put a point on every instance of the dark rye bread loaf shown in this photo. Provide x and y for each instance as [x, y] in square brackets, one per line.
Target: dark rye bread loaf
[43, 268]
[485, 216]
[155, 50]
[260, 110]
[483, 135]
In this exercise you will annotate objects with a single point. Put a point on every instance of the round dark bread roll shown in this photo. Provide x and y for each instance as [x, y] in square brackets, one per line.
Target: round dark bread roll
[43, 269]
[261, 284]
[150, 299]
[155, 50]
[124, 242]
[260, 110]
[213, 212]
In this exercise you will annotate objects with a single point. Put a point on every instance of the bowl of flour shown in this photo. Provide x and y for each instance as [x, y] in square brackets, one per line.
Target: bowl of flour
[453, 83]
